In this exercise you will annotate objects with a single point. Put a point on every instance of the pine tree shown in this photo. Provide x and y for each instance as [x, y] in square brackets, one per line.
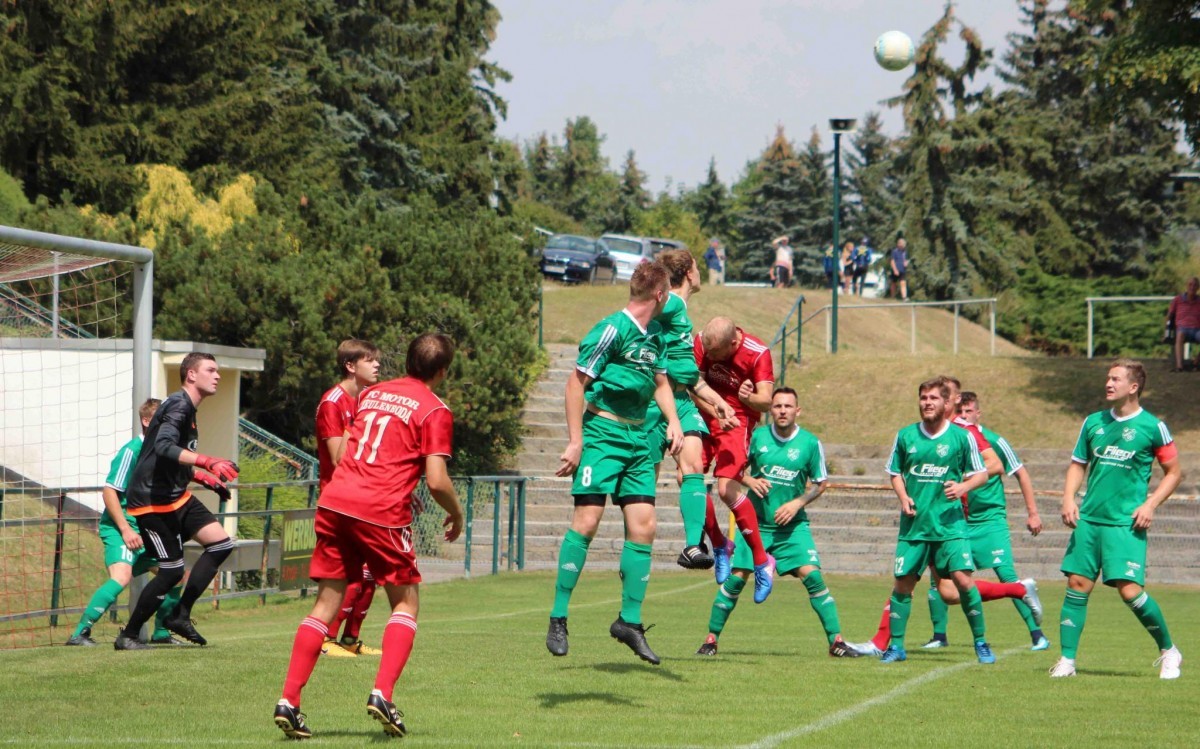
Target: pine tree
[632, 198]
[713, 205]
[873, 184]
[541, 161]
[772, 206]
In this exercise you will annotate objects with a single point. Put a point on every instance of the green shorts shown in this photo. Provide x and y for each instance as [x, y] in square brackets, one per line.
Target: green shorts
[1117, 550]
[991, 545]
[615, 459]
[116, 552]
[690, 419]
[950, 555]
[792, 546]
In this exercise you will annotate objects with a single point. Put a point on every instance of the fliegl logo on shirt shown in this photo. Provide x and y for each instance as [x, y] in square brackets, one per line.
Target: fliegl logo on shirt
[642, 355]
[1113, 454]
[929, 471]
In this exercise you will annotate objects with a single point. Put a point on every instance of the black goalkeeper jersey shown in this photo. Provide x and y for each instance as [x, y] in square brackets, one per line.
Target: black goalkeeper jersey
[159, 479]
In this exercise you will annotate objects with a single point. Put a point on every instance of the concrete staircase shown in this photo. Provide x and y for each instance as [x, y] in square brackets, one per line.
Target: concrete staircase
[854, 525]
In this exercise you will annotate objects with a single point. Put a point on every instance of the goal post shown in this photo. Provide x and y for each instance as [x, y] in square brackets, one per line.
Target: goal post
[143, 288]
[69, 400]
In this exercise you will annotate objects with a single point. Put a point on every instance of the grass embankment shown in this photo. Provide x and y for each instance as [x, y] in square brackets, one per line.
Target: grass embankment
[868, 389]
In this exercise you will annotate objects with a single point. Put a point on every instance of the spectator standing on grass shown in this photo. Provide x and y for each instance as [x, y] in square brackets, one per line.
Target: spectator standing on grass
[358, 365]
[781, 269]
[1115, 450]
[402, 431]
[847, 267]
[1185, 313]
[898, 267]
[714, 260]
[862, 263]
[829, 265]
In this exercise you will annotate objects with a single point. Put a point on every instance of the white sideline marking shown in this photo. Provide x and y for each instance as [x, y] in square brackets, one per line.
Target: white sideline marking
[829, 721]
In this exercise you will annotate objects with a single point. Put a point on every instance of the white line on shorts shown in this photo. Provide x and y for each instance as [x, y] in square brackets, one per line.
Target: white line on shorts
[829, 721]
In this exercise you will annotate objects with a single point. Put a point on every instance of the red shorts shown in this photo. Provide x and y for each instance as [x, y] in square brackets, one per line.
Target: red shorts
[345, 544]
[729, 448]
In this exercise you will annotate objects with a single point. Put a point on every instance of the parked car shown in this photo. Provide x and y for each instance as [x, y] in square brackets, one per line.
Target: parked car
[660, 245]
[628, 252]
[575, 259]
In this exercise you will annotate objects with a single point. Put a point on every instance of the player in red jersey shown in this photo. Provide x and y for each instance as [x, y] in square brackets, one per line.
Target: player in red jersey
[943, 593]
[738, 367]
[358, 364]
[401, 431]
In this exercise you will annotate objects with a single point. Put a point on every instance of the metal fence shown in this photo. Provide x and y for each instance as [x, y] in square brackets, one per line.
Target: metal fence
[1092, 301]
[51, 559]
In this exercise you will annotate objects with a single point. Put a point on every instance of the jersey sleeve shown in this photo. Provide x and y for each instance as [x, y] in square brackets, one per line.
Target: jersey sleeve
[764, 368]
[972, 460]
[595, 348]
[329, 421]
[752, 465]
[1008, 456]
[893, 465]
[698, 350]
[1080, 453]
[660, 347]
[121, 469]
[817, 472]
[437, 433]
[173, 414]
[981, 442]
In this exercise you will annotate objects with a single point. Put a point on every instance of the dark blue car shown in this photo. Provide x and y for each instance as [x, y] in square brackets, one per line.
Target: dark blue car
[574, 259]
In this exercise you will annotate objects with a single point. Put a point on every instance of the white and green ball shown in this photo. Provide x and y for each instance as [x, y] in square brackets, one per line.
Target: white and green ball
[894, 50]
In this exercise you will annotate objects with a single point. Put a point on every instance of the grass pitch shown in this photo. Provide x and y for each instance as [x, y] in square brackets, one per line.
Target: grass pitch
[480, 676]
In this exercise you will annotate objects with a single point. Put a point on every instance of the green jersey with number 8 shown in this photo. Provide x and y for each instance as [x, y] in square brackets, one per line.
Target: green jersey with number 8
[622, 358]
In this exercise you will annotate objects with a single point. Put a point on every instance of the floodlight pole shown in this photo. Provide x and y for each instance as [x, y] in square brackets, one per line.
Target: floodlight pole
[838, 126]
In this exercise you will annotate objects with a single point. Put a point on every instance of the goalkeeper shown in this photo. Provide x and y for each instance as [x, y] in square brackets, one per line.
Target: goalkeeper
[124, 554]
[167, 512]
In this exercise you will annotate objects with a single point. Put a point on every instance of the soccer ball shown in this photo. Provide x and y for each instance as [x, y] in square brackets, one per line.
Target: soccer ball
[894, 50]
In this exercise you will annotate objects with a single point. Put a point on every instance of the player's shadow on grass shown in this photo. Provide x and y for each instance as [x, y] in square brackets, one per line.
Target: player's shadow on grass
[630, 668]
[558, 699]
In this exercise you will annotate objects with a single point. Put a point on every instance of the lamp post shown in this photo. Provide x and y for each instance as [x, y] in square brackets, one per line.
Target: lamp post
[838, 127]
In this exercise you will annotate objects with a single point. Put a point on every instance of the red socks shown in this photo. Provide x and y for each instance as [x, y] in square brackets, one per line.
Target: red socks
[747, 523]
[990, 591]
[883, 636]
[712, 527]
[398, 638]
[362, 604]
[306, 649]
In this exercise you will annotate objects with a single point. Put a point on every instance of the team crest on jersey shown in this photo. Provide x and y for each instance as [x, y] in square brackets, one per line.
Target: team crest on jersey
[1128, 434]
[943, 450]
[793, 454]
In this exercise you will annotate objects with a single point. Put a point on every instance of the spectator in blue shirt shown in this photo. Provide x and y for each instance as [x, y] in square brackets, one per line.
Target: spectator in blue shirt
[714, 260]
[899, 269]
[862, 262]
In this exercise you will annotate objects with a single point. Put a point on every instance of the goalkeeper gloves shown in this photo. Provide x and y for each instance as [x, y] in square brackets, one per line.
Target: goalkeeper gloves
[209, 481]
[225, 470]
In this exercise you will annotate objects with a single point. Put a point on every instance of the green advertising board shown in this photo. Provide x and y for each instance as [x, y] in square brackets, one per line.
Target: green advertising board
[299, 540]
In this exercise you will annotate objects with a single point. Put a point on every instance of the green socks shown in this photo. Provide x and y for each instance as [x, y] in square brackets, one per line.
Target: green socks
[571, 557]
[635, 577]
[692, 506]
[105, 596]
[822, 602]
[1071, 621]
[170, 601]
[939, 612]
[1150, 615]
[901, 608]
[972, 606]
[726, 599]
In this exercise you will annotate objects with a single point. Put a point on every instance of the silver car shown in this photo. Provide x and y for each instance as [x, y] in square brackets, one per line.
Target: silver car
[628, 252]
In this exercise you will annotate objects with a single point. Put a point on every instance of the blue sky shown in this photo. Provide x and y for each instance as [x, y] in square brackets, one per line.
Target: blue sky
[680, 81]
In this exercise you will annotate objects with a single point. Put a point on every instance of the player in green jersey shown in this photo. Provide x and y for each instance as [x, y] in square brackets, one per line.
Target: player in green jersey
[687, 384]
[784, 459]
[987, 529]
[933, 465]
[124, 554]
[620, 369]
[1116, 449]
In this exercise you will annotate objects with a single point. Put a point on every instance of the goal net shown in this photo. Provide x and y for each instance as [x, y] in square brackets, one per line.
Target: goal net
[69, 369]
